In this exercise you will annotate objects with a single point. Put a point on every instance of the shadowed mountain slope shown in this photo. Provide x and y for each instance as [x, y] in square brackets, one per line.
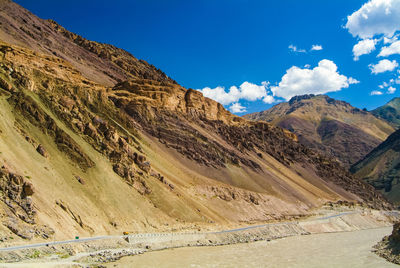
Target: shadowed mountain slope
[381, 167]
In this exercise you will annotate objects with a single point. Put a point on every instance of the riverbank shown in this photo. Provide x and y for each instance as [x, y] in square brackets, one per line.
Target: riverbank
[106, 251]
[344, 249]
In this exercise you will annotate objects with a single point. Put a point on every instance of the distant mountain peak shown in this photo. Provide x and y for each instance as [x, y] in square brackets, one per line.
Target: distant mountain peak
[390, 112]
[331, 126]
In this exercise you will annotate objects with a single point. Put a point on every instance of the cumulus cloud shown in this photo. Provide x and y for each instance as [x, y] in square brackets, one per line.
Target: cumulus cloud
[237, 108]
[293, 48]
[316, 47]
[220, 95]
[394, 48]
[322, 79]
[376, 17]
[383, 66]
[246, 91]
[363, 47]
[269, 99]
[251, 92]
[391, 90]
[375, 93]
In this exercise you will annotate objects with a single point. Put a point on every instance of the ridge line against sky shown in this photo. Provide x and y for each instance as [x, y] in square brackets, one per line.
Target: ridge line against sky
[250, 55]
[376, 23]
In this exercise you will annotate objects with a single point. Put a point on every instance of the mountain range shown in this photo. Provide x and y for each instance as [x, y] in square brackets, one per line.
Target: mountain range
[332, 127]
[94, 140]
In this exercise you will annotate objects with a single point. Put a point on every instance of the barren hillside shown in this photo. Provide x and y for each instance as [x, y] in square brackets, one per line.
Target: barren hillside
[91, 146]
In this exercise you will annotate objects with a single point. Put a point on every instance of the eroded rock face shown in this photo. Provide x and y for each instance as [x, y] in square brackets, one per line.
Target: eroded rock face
[17, 194]
[27, 106]
[183, 119]
[21, 216]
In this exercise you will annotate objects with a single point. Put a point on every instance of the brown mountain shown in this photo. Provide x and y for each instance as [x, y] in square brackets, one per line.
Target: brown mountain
[93, 141]
[332, 127]
[381, 167]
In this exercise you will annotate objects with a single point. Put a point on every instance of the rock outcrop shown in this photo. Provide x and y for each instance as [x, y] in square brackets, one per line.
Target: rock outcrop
[389, 247]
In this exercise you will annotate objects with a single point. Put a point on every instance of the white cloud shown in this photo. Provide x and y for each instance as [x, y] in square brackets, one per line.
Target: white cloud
[322, 79]
[394, 48]
[246, 91]
[363, 47]
[237, 108]
[384, 84]
[316, 47]
[293, 48]
[251, 92]
[383, 66]
[352, 80]
[389, 83]
[220, 95]
[269, 99]
[387, 40]
[376, 17]
[376, 92]
[391, 90]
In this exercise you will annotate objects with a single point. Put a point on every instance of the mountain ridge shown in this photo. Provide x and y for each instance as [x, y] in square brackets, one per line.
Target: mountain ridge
[389, 112]
[101, 63]
[331, 126]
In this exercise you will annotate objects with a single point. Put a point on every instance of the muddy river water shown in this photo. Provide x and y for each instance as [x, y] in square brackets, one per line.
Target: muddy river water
[346, 249]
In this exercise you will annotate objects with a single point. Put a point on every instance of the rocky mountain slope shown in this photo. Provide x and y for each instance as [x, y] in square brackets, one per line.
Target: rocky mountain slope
[101, 63]
[332, 127]
[381, 167]
[389, 112]
[94, 141]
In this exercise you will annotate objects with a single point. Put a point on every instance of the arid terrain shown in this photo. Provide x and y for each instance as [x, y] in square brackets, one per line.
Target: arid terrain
[330, 126]
[96, 144]
[381, 167]
[140, 152]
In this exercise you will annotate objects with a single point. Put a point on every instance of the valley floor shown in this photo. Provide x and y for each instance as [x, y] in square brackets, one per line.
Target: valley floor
[345, 249]
[306, 234]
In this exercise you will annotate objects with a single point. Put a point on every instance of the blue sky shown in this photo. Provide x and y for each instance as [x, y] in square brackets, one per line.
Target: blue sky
[225, 43]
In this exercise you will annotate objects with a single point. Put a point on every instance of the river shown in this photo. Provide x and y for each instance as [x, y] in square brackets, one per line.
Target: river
[345, 249]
